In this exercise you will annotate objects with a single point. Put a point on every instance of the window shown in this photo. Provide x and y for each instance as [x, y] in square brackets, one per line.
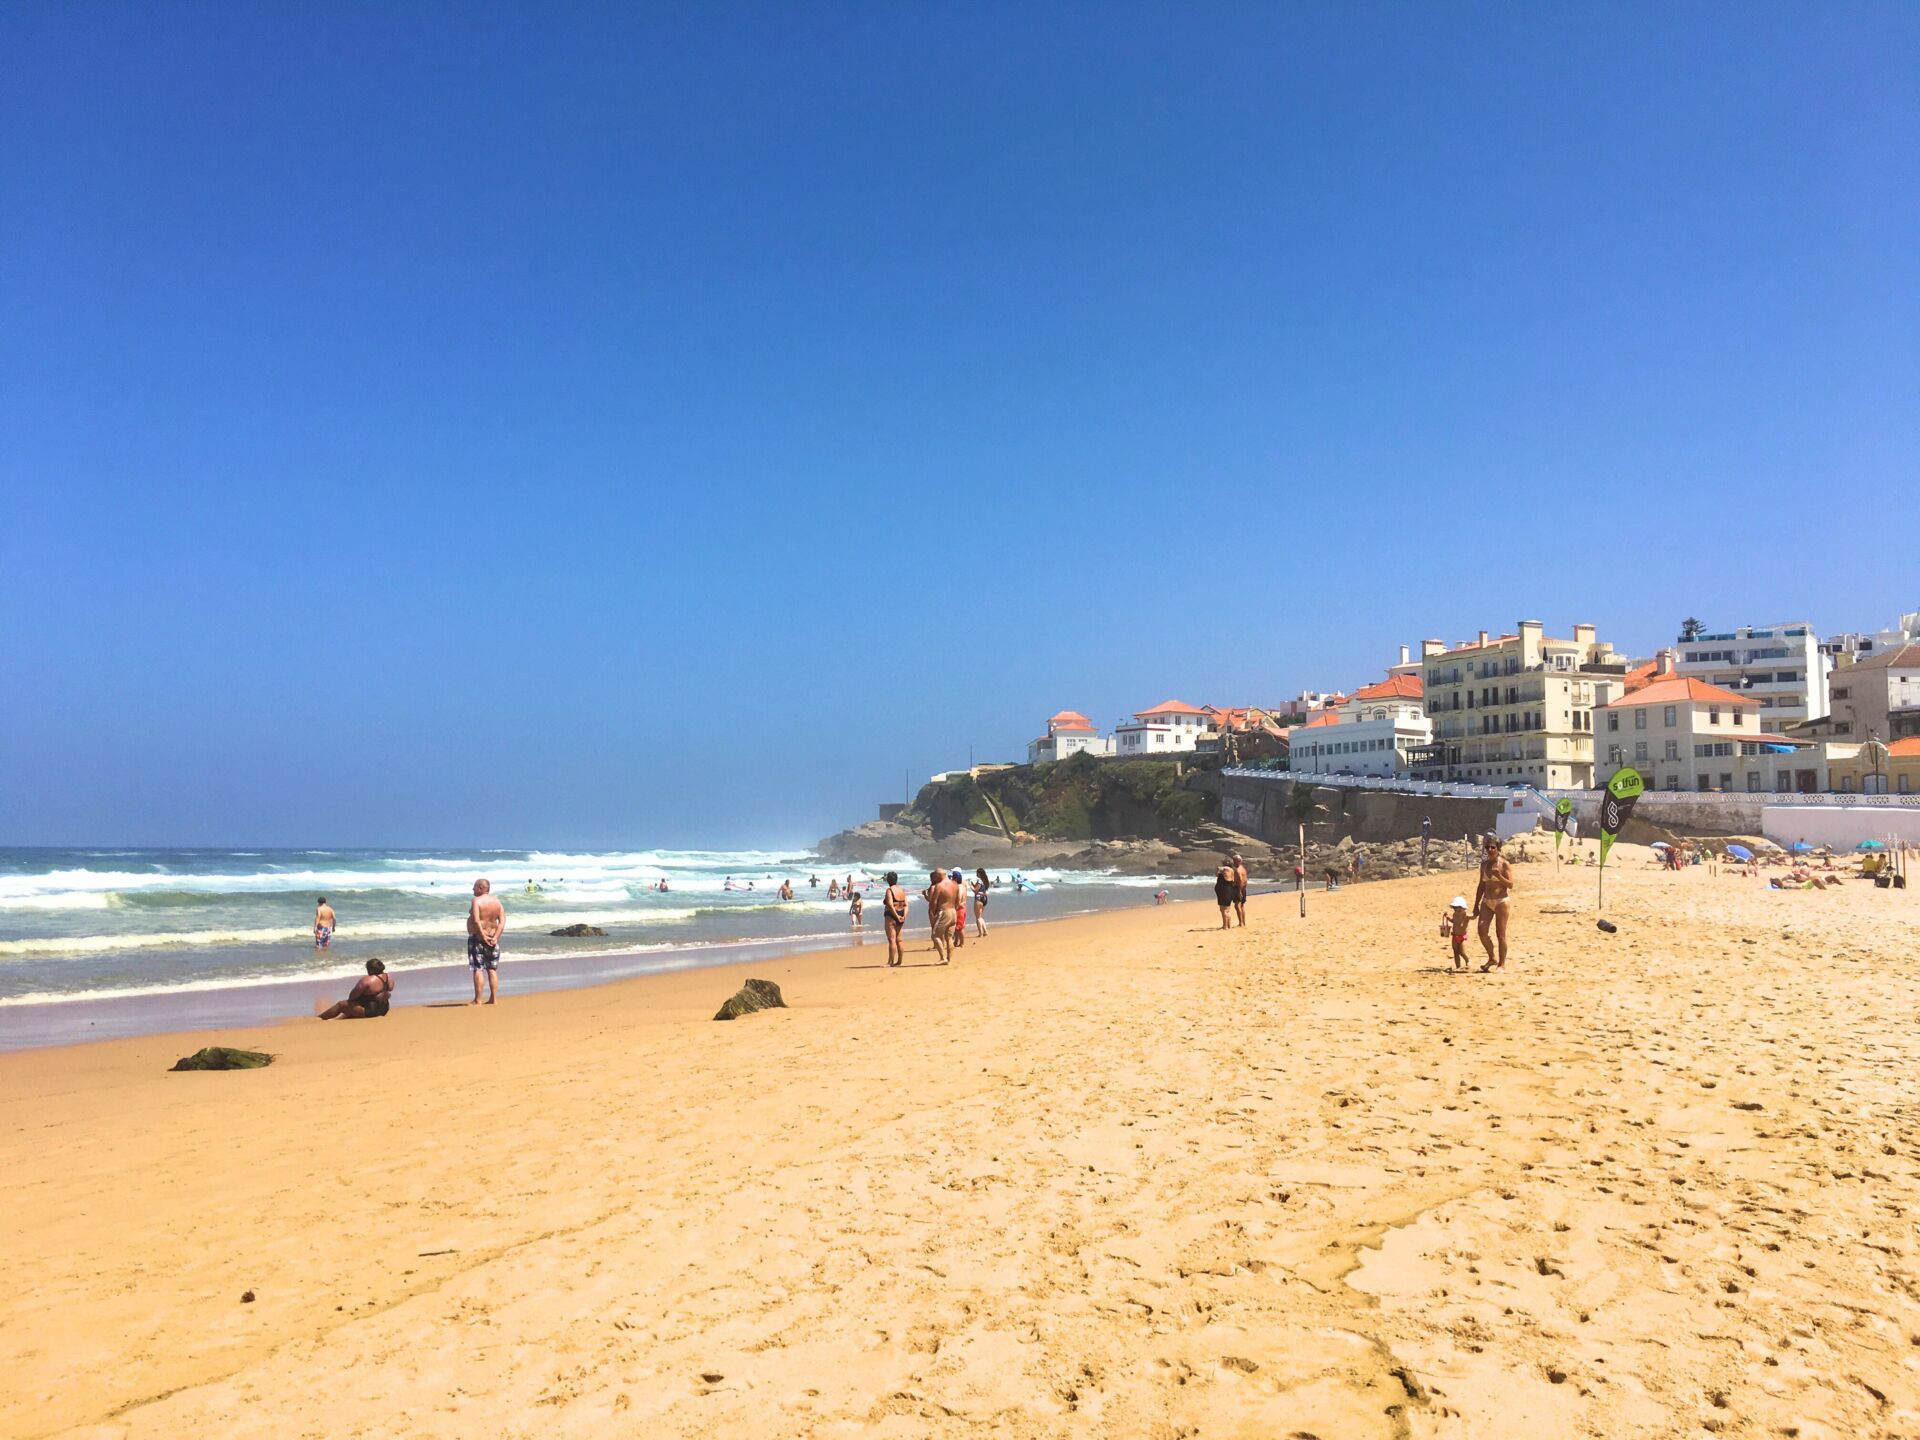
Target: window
[1673, 782]
[1900, 782]
[1640, 752]
[1640, 719]
[1726, 780]
[1672, 717]
[1783, 783]
[1753, 780]
[1701, 784]
[1613, 720]
[1841, 692]
[1739, 718]
[1673, 749]
[1613, 754]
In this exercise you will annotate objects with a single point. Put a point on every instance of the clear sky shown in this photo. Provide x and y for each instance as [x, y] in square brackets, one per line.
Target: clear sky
[655, 425]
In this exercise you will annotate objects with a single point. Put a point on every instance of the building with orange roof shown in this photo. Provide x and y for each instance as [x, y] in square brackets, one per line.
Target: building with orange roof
[1169, 728]
[1894, 770]
[1683, 733]
[1517, 709]
[1381, 729]
[1068, 733]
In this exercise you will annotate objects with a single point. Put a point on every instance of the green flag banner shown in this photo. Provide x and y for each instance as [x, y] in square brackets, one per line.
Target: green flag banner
[1616, 805]
[1562, 813]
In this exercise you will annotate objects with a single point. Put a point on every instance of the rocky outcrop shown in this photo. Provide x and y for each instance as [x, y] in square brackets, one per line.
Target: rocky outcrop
[577, 932]
[752, 996]
[224, 1057]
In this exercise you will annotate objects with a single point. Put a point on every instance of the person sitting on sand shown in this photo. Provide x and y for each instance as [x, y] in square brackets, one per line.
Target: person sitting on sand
[1453, 924]
[1491, 902]
[893, 904]
[369, 999]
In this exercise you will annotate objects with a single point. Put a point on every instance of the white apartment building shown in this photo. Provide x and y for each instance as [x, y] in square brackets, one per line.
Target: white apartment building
[1068, 733]
[1168, 728]
[1681, 733]
[1517, 709]
[1860, 644]
[1380, 729]
[1783, 667]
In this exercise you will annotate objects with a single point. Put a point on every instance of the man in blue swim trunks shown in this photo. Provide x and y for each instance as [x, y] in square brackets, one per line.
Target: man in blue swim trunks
[486, 923]
[322, 924]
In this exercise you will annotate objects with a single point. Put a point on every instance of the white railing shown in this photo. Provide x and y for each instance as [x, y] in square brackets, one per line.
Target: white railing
[1399, 784]
[1653, 799]
[1659, 798]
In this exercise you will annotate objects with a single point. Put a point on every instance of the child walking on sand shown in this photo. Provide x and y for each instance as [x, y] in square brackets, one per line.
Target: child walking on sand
[1453, 924]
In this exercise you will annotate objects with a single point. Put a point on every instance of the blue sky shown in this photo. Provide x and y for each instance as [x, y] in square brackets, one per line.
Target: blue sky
[647, 425]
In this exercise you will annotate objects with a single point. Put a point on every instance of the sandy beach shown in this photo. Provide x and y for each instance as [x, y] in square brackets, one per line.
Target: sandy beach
[1126, 1175]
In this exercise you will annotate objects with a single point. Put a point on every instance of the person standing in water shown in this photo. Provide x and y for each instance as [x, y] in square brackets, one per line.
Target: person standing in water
[323, 924]
[894, 906]
[486, 923]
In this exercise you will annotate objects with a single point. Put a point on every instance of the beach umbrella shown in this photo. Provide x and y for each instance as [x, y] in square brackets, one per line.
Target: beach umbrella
[1660, 845]
[1870, 845]
[1799, 847]
[1739, 852]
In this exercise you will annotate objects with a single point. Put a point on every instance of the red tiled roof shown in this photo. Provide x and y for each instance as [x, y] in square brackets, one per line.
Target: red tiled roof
[1680, 690]
[1170, 707]
[1641, 675]
[1069, 720]
[1325, 717]
[1905, 748]
[1394, 687]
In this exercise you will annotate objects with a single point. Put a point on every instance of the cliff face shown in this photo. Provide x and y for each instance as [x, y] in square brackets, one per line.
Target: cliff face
[1046, 810]
[1158, 817]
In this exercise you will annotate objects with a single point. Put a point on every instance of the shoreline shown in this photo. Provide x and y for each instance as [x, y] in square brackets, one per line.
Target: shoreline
[33, 1025]
[1103, 1174]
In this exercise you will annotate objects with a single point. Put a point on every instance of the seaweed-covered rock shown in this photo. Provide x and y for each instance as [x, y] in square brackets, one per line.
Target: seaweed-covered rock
[224, 1057]
[577, 932]
[752, 996]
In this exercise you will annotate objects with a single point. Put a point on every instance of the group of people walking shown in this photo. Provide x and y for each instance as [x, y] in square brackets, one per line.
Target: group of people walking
[946, 897]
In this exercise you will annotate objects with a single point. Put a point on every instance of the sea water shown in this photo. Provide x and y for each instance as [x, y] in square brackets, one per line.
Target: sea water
[102, 925]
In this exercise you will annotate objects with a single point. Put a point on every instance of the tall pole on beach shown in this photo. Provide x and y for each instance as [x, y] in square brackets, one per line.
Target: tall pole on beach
[1303, 869]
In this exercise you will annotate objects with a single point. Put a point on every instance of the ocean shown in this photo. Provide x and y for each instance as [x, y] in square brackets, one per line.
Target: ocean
[102, 942]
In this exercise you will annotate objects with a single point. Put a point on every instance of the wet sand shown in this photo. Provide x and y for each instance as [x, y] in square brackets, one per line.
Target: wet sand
[1119, 1175]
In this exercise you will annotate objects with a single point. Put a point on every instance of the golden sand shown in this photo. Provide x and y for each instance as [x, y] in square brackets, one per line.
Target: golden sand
[1118, 1176]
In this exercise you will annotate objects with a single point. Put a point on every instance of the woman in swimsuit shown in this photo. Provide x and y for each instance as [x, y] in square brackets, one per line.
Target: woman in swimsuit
[981, 884]
[894, 908]
[1226, 886]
